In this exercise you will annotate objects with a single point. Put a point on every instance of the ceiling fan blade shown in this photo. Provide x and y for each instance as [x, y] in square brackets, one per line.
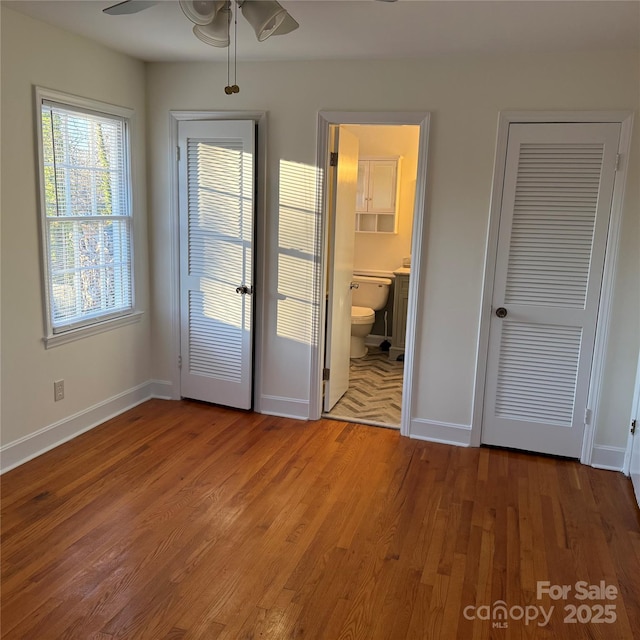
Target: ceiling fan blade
[129, 6]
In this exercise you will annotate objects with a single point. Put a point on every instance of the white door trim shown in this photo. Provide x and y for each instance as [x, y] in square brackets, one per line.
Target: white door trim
[260, 118]
[325, 119]
[505, 118]
[635, 415]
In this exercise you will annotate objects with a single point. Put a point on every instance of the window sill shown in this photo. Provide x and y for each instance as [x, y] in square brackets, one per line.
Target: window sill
[91, 330]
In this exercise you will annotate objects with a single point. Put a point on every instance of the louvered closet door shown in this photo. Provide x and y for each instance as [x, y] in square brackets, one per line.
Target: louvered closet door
[556, 203]
[216, 239]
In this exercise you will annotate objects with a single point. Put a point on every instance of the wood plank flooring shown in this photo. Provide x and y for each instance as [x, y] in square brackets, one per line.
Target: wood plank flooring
[178, 520]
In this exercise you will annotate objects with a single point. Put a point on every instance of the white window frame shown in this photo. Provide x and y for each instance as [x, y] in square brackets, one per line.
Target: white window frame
[96, 323]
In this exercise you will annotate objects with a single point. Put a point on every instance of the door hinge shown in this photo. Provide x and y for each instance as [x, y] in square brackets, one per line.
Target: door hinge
[333, 159]
[587, 416]
[178, 153]
[633, 426]
[179, 362]
[325, 373]
[617, 161]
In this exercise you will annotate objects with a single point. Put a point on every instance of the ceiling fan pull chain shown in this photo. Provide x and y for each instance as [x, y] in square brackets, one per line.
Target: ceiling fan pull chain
[235, 88]
[227, 89]
[232, 88]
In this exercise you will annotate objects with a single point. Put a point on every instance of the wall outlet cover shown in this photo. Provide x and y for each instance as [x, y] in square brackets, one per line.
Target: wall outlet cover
[58, 390]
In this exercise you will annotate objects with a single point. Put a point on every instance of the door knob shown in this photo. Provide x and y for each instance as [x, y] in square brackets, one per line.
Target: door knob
[354, 285]
[244, 290]
[501, 312]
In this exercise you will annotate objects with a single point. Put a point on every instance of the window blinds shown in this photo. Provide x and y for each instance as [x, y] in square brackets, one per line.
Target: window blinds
[87, 216]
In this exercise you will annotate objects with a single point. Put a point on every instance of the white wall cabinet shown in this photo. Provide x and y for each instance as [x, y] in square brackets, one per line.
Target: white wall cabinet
[377, 198]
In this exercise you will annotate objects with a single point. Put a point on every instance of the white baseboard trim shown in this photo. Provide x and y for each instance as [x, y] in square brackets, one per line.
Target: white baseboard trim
[443, 432]
[20, 451]
[609, 458]
[161, 389]
[284, 407]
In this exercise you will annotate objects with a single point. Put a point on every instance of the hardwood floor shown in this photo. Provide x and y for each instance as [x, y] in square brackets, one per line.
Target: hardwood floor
[179, 520]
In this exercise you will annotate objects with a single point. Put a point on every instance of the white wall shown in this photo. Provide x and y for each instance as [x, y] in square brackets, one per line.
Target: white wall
[464, 95]
[98, 368]
[382, 252]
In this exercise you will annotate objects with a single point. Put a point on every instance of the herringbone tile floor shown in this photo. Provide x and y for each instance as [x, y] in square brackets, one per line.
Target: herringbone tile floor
[375, 390]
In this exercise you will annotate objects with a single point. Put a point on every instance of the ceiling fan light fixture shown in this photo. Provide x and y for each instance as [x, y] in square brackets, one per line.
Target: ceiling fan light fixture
[265, 16]
[286, 26]
[202, 12]
[216, 33]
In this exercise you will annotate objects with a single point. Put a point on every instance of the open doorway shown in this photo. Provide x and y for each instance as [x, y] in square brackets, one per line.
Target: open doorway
[370, 303]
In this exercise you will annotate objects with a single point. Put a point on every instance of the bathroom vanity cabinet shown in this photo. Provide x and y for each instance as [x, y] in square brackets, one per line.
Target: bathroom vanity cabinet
[400, 306]
[377, 196]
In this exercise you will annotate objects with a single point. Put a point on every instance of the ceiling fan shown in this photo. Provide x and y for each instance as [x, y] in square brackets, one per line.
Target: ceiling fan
[211, 18]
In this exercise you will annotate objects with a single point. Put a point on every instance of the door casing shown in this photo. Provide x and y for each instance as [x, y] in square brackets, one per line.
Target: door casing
[632, 457]
[260, 119]
[625, 118]
[325, 120]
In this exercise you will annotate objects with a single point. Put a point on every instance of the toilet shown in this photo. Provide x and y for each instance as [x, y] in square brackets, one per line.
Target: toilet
[369, 294]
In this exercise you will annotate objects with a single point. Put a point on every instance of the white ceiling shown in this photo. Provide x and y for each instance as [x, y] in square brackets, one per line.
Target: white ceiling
[362, 28]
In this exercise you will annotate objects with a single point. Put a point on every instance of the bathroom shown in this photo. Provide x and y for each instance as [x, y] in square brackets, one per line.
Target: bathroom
[384, 210]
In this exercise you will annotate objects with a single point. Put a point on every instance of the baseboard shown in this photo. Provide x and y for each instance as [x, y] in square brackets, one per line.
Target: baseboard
[161, 389]
[443, 432]
[609, 458]
[20, 451]
[284, 407]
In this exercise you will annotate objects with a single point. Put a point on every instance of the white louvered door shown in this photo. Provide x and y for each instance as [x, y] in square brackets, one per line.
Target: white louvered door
[216, 262]
[556, 204]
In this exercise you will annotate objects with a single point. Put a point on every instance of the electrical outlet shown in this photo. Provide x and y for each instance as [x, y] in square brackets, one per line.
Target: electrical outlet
[58, 390]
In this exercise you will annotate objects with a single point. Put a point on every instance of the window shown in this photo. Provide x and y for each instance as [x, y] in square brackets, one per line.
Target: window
[87, 230]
